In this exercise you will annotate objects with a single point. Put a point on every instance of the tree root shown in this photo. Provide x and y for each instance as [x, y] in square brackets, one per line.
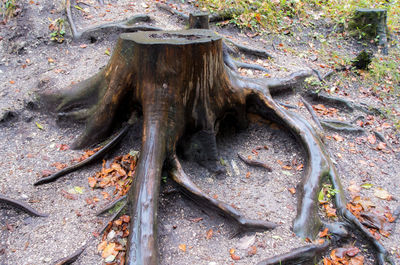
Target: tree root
[341, 126]
[303, 255]
[21, 206]
[254, 162]
[95, 157]
[312, 112]
[198, 196]
[250, 51]
[126, 25]
[74, 256]
[251, 66]
[173, 11]
[351, 106]
[118, 203]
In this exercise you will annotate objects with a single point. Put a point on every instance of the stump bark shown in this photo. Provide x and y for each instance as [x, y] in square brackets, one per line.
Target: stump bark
[179, 81]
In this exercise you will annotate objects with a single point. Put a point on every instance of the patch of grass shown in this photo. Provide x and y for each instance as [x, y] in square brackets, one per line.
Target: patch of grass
[8, 9]
[57, 29]
[278, 15]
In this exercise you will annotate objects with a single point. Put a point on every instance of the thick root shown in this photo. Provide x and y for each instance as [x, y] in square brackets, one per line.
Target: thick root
[21, 206]
[198, 196]
[98, 155]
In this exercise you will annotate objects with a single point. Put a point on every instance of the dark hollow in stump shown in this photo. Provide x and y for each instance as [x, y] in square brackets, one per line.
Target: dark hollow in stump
[179, 81]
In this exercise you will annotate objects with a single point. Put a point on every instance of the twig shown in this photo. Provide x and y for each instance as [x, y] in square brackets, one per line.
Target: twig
[22, 206]
[312, 112]
[254, 162]
[99, 154]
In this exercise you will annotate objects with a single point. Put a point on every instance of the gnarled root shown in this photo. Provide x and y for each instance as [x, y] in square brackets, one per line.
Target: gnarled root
[21, 206]
[198, 196]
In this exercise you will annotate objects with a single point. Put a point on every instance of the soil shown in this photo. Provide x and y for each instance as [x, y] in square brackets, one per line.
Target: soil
[31, 139]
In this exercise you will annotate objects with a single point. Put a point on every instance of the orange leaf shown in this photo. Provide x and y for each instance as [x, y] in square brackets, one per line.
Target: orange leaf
[209, 234]
[359, 260]
[235, 257]
[292, 190]
[109, 250]
[323, 233]
[182, 247]
[252, 251]
[12, 82]
[92, 182]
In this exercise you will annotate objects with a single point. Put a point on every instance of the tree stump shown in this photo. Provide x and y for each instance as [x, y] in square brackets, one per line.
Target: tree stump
[181, 84]
[371, 22]
[199, 20]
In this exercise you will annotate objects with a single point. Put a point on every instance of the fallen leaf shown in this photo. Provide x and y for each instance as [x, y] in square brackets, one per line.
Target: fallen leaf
[63, 147]
[382, 194]
[366, 186]
[354, 189]
[12, 82]
[39, 125]
[109, 250]
[359, 260]
[102, 245]
[338, 138]
[323, 233]
[92, 182]
[209, 234]
[196, 220]
[292, 190]
[252, 251]
[182, 247]
[330, 212]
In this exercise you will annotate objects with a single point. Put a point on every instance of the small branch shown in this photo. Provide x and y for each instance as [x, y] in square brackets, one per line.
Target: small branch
[21, 206]
[312, 112]
[173, 11]
[254, 162]
[250, 51]
[87, 161]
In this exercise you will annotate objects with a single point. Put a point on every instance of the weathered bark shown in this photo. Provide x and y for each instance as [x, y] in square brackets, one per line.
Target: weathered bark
[180, 82]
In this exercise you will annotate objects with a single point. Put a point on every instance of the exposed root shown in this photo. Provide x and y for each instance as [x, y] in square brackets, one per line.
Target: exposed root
[286, 105]
[277, 85]
[21, 206]
[345, 103]
[98, 155]
[251, 66]
[312, 112]
[173, 11]
[73, 257]
[254, 162]
[118, 203]
[225, 14]
[250, 51]
[341, 126]
[126, 25]
[303, 255]
[198, 196]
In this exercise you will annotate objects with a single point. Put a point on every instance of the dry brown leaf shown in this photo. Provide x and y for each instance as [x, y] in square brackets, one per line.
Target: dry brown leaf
[182, 247]
[209, 234]
[338, 138]
[359, 260]
[101, 246]
[292, 190]
[252, 251]
[323, 233]
[109, 250]
[382, 194]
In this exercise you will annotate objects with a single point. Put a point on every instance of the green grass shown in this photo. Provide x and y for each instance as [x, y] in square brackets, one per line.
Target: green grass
[8, 8]
[278, 15]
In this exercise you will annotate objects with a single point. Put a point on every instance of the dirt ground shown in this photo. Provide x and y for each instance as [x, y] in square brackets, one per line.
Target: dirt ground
[30, 144]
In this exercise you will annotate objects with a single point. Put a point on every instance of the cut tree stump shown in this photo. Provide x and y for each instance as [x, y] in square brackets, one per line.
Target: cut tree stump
[179, 82]
[371, 22]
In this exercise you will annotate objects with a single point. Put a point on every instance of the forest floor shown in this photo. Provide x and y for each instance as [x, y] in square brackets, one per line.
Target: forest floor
[33, 142]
